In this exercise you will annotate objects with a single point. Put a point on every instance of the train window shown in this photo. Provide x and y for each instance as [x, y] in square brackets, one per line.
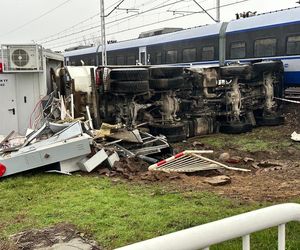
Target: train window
[237, 50]
[208, 53]
[293, 45]
[189, 55]
[265, 47]
[120, 60]
[158, 58]
[131, 60]
[110, 61]
[171, 56]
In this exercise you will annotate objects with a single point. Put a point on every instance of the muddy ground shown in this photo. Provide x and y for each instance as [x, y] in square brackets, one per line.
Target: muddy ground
[275, 171]
[270, 154]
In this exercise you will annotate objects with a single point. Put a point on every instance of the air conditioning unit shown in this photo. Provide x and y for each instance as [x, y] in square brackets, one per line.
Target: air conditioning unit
[22, 58]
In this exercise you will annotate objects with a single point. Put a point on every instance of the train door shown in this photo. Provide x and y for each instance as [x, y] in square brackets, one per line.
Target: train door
[143, 55]
[8, 107]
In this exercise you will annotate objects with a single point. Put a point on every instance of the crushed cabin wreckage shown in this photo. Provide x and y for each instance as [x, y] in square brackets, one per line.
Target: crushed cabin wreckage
[150, 107]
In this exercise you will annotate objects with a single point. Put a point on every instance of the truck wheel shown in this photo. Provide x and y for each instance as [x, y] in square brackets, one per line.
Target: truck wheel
[166, 83]
[129, 87]
[134, 74]
[269, 120]
[235, 128]
[165, 72]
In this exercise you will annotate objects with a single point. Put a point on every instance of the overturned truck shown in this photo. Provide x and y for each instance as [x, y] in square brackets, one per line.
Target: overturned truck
[181, 102]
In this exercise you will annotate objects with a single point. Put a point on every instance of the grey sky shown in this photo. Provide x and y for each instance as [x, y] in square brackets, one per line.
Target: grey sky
[25, 21]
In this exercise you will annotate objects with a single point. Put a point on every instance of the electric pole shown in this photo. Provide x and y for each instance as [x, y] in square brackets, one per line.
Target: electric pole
[103, 35]
[218, 19]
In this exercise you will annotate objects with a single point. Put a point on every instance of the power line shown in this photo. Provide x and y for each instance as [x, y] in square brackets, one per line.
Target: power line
[204, 10]
[90, 18]
[35, 19]
[145, 25]
[121, 19]
[74, 25]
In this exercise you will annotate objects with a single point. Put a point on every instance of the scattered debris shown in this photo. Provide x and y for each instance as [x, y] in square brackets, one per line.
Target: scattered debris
[220, 180]
[224, 156]
[268, 165]
[248, 159]
[198, 144]
[295, 136]
[234, 160]
[127, 168]
[190, 161]
[89, 165]
[46, 146]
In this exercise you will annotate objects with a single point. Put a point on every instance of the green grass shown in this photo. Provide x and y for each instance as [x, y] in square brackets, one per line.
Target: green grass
[262, 139]
[117, 214]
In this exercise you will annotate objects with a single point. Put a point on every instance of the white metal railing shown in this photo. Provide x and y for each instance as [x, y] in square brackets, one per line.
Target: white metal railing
[203, 236]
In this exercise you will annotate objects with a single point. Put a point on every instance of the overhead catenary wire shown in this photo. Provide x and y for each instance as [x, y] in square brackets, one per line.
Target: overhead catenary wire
[41, 40]
[119, 20]
[204, 10]
[71, 42]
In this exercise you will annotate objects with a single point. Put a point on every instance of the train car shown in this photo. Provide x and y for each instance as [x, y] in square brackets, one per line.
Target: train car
[269, 36]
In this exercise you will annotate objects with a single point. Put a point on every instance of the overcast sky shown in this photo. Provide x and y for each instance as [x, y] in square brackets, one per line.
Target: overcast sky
[59, 24]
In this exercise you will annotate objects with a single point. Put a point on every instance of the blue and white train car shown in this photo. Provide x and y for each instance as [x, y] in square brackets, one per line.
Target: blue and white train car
[269, 36]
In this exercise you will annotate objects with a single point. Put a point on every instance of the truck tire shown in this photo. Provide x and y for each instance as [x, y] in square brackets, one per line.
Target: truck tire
[130, 74]
[166, 83]
[129, 87]
[235, 128]
[165, 72]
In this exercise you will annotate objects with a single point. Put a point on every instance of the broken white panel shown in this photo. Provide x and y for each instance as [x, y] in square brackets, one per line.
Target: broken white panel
[57, 127]
[73, 130]
[71, 165]
[90, 164]
[295, 136]
[31, 136]
[46, 155]
[113, 158]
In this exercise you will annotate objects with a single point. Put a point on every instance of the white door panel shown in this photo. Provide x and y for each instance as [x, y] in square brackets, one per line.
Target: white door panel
[8, 106]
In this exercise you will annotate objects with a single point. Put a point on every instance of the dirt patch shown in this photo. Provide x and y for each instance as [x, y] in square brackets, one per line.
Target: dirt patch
[7, 245]
[275, 171]
[134, 169]
[57, 235]
[263, 184]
